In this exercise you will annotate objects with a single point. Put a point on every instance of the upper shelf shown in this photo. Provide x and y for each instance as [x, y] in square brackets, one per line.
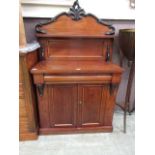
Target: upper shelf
[75, 23]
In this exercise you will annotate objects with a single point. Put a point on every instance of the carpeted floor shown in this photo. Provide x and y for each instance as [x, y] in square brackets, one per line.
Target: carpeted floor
[116, 143]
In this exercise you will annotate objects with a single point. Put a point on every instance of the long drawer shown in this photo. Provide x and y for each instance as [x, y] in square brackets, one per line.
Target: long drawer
[77, 79]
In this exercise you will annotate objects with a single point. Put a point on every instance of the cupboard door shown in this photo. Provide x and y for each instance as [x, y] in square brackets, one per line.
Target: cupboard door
[92, 99]
[62, 105]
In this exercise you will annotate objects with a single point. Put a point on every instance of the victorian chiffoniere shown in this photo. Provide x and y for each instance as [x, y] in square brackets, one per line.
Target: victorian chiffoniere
[75, 79]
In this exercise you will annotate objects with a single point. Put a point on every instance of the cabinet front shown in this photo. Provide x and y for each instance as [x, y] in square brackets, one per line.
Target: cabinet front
[92, 99]
[58, 106]
[73, 105]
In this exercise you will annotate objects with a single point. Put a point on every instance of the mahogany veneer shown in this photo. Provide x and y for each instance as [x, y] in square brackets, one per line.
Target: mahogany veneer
[76, 80]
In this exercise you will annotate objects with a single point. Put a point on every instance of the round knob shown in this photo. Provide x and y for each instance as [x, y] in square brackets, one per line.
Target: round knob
[80, 102]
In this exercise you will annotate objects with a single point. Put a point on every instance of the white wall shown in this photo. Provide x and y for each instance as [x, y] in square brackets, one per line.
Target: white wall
[108, 9]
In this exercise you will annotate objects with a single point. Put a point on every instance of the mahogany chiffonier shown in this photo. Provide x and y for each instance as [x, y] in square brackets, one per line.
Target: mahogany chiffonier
[76, 81]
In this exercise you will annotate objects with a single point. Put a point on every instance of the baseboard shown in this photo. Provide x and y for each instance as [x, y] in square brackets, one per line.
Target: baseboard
[47, 131]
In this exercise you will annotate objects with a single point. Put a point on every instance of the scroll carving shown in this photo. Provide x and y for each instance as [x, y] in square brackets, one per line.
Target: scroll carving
[76, 13]
[40, 88]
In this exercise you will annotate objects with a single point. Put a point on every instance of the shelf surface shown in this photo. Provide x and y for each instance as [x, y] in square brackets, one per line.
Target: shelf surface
[73, 67]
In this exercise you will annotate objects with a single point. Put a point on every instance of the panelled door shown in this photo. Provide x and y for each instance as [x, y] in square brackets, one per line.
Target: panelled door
[72, 105]
[60, 107]
[92, 100]
[63, 105]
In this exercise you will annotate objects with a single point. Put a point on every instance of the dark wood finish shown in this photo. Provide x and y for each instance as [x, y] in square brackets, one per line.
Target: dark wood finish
[28, 128]
[64, 102]
[76, 80]
[128, 92]
[75, 23]
[57, 106]
[61, 79]
[110, 104]
[77, 48]
[75, 67]
[76, 100]
[47, 131]
[127, 43]
[92, 99]
[62, 49]
[127, 49]
[75, 36]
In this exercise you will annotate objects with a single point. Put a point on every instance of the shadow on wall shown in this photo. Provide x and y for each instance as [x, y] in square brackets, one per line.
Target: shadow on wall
[122, 24]
[118, 24]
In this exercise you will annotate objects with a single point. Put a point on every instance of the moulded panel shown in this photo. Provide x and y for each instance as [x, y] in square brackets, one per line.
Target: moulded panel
[93, 49]
[62, 105]
[92, 102]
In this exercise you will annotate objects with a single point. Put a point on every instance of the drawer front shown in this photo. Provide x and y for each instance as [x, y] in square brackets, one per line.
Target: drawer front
[78, 79]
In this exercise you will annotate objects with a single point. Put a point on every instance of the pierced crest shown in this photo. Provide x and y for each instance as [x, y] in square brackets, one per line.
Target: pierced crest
[76, 12]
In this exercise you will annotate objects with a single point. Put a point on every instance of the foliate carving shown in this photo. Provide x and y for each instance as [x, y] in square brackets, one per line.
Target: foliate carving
[40, 88]
[76, 12]
[108, 54]
[113, 88]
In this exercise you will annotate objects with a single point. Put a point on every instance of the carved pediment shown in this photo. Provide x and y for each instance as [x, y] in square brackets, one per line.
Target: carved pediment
[75, 22]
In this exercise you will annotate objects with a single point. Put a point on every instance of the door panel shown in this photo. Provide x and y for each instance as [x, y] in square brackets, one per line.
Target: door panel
[62, 105]
[92, 100]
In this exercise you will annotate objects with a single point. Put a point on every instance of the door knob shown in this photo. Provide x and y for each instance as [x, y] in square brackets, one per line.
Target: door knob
[80, 102]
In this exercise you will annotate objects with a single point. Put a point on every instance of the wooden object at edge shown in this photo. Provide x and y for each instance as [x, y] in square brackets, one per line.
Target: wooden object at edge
[27, 118]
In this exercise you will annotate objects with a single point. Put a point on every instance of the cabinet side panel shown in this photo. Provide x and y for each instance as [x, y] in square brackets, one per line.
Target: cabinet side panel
[43, 106]
[110, 105]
